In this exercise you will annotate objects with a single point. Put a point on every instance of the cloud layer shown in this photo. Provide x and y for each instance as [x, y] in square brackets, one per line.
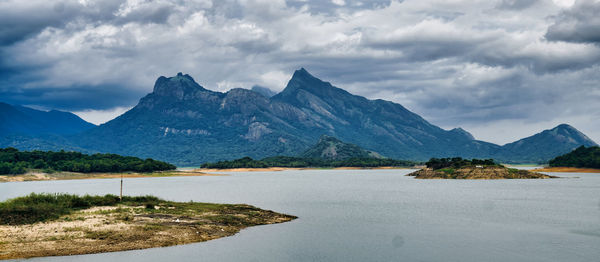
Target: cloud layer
[477, 64]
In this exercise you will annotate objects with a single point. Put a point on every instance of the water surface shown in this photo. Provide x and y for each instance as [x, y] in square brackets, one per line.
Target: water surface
[372, 215]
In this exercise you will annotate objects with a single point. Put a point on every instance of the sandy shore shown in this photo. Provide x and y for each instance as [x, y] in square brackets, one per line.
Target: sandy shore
[38, 176]
[267, 169]
[567, 170]
[109, 229]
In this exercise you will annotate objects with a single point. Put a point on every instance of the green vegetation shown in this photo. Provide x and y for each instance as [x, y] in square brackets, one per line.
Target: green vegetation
[581, 157]
[13, 161]
[287, 161]
[42, 207]
[448, 165]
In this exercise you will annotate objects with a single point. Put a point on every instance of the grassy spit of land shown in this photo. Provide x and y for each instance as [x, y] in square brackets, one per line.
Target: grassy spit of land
[40, 175]
[59, 224]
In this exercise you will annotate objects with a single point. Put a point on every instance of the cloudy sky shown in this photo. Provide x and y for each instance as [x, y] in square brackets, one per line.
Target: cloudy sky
[502, 69]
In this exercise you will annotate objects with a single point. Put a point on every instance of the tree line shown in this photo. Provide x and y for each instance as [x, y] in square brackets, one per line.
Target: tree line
[13, 161]
[458, 162]
[580, 157]
[287, 161]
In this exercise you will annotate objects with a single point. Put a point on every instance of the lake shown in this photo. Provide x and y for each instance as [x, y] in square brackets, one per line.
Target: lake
[372, 215]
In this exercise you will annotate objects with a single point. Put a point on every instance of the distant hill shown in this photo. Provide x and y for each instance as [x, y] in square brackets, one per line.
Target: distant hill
[184, 123]
[581, 157]
[263, 91]
[332, 148]
[544, 146]
[328, 152]
[20, 120]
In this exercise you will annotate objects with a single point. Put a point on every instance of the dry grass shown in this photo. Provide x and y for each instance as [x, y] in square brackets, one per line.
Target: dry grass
[108, 229]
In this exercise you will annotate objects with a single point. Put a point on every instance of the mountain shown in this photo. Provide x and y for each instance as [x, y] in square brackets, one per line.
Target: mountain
[543, 146]
[20, 120]
[263, 91]
[186, 124]
[332, 148]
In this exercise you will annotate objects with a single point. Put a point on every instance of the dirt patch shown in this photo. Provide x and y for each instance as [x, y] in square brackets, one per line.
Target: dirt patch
[108, 229]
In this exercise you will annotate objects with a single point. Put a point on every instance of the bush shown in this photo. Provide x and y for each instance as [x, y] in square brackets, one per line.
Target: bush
[41, 207]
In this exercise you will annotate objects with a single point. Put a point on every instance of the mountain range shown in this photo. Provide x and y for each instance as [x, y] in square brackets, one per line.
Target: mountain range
[183, 123]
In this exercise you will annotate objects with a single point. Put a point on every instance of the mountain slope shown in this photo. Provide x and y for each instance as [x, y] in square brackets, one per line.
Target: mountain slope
[331, 148]
[20, 120]
[186, 124]
[544, 146]
[378, 125]
[263, 91]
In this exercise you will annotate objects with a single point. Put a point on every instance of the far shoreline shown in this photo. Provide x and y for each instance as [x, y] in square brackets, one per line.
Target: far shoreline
[566, 170]
[275, 169]
[59, 175]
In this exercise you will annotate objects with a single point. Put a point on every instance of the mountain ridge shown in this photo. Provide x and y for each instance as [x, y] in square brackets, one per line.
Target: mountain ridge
[184, 123]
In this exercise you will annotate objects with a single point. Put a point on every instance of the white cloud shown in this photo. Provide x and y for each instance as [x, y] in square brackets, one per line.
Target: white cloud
[101, 116]
[339, 2]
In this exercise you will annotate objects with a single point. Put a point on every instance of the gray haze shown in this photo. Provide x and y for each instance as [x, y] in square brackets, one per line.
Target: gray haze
[500, 69]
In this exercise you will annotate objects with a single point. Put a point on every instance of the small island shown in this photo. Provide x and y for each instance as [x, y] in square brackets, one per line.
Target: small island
[459, 168]
[60, 224]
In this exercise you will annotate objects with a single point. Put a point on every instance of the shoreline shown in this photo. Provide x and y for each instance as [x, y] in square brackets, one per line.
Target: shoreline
[566, 170]
[272, 169]
[59, 175]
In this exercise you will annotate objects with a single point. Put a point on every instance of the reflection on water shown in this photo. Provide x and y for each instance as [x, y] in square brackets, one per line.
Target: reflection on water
[373, 215]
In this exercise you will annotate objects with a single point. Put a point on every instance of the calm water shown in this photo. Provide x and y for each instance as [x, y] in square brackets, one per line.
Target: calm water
[376, 215]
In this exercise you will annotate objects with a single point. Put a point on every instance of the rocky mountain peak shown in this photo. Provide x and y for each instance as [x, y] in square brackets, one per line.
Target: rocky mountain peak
[567, 132]
[178, 86]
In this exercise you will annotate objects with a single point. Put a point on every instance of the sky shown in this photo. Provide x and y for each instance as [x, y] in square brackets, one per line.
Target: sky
[501, 69]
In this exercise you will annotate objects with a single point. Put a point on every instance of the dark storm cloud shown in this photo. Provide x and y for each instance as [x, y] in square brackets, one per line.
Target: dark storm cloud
[74, 98]
[579, 24]
[454, 62]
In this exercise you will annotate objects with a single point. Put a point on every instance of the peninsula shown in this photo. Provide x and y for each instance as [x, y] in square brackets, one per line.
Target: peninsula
[59, 224]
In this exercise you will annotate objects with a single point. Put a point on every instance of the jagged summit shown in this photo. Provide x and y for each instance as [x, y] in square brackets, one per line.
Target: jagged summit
[177, 86]
[304, 82]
